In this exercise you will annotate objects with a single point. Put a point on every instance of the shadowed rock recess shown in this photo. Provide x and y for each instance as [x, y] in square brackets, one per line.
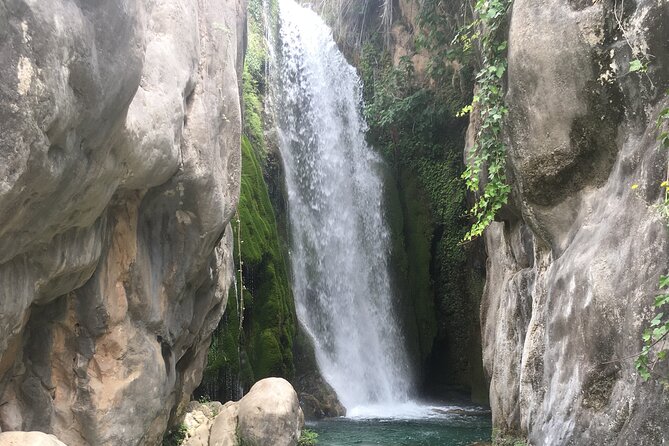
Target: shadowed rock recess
[571, 281]
[119, 173]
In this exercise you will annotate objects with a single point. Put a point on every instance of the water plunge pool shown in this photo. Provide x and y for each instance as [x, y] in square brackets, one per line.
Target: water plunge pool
[420, 426]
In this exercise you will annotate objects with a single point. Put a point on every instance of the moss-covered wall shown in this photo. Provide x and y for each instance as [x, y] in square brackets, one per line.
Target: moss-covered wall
[414, 123]
[269, 313]
[259, 344]
[264, 345]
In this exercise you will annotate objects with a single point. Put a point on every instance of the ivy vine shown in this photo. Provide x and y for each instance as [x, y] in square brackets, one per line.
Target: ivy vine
[654, 349]
[477, 41]
[488, 153]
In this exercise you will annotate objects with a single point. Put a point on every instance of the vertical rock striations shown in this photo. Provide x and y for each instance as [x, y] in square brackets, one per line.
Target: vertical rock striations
[571, 279]
[119, 173]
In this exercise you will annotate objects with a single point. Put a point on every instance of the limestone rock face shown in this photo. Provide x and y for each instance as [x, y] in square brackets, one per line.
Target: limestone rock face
[28, 438]
[224, 428]
[198, 421]
[119, 173]
[270, 414]
[574, 268]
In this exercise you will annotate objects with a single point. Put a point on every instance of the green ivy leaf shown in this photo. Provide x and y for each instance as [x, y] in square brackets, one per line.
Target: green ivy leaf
[661, 300]
[656, 320]
[636, 65]
[664, 281]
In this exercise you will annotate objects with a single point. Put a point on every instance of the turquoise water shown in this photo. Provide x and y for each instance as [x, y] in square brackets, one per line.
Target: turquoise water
[444, 430]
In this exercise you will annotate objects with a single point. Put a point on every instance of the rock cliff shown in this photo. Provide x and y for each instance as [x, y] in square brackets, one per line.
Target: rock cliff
[119, 173]
[575, 257]
[574, 266]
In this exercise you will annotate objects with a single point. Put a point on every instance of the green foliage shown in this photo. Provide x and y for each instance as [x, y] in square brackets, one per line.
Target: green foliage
[488, 154]
[407, 121]
[308, 438]
[451, 34]
[415, 127]
[654, 350]
[175, 436]
[446, 32]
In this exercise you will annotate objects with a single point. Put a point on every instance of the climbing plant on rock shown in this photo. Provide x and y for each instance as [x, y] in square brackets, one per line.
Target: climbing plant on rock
[478, 41]
[654, 349]
[488, 154]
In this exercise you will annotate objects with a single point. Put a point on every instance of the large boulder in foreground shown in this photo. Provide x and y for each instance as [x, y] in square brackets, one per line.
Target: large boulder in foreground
[28, 439]
[269, 415]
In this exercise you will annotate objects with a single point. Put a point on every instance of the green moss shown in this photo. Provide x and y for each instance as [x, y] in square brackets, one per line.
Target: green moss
[411, 241]
[271, 317]
[253, 79]
[415, 126]
[253, 125]
[264, 346]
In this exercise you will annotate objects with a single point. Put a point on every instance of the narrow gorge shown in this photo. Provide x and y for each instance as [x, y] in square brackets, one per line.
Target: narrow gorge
[280, 223]
[340, 242]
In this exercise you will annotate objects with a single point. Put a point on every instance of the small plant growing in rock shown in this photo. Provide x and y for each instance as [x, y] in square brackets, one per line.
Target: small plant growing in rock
[175, 436]
[308, 438]
[488, 154]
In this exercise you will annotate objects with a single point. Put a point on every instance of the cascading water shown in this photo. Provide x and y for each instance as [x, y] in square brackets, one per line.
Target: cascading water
[340, 242]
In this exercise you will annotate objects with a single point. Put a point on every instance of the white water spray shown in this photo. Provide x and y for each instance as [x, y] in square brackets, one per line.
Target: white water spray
[340, 242]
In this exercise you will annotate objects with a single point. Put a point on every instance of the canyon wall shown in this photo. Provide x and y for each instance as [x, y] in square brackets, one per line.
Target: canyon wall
[573, 268]
[574, 260]
[119, 173]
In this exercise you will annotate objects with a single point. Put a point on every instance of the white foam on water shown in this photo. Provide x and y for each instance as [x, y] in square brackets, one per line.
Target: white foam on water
[410, 411]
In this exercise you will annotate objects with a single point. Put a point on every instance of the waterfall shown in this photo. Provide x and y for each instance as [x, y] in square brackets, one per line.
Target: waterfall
[340, 242]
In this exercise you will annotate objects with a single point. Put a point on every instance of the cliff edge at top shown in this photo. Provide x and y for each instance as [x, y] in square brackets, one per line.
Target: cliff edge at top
[119, 173]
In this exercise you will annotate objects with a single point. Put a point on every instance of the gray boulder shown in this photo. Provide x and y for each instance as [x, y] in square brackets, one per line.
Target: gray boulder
[270, 414]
